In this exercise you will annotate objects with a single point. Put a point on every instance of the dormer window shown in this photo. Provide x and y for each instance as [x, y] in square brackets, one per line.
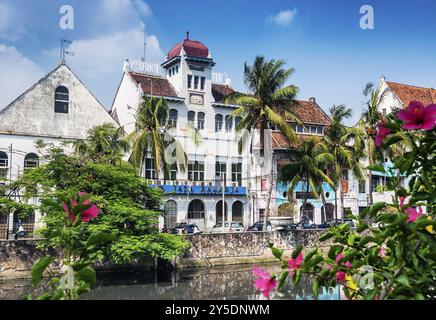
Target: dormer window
[62, 100]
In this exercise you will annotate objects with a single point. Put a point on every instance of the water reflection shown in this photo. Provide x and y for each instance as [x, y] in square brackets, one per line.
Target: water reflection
[225, 283]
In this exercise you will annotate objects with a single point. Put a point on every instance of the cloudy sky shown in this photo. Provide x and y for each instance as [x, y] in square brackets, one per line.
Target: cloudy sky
[334, 58]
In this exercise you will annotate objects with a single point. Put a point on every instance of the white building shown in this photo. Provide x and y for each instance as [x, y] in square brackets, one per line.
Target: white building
[194, 95]
[57, 108]
[395, 95]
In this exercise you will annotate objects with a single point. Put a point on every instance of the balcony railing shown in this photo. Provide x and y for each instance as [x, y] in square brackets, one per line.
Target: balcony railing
[221, 78]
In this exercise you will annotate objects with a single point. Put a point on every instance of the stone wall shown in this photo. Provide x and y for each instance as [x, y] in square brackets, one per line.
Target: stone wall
[234, 248]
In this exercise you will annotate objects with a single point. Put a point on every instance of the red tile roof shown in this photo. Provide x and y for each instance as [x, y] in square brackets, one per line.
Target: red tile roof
[407, 93]
[311, 113]
[279, 141]
[157, 86]
[192, 48]
[220, 91]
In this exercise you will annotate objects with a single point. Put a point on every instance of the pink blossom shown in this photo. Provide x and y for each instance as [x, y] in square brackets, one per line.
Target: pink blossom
[340, 276]
[348, 264]
[295, 264]
[382, 133]
[413, 214]
[329, 267]
[383, 251]
[86, 215]
[264, 282]
[402, 200]
[339, 257]
[416, 116]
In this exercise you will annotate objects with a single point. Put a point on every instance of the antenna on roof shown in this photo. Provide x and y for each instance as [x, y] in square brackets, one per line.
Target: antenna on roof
[187, 35]
[64, 52]
[145, 44]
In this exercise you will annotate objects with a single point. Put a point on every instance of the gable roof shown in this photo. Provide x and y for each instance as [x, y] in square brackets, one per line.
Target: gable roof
[279, 142]
[310, 112]
[407, 93]
[220, 91]
[158, 86]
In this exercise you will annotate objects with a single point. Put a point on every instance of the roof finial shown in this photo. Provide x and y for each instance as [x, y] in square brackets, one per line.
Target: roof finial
[187, 35]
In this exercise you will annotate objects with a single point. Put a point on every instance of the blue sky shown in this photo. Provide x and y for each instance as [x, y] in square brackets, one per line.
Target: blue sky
[333, 57]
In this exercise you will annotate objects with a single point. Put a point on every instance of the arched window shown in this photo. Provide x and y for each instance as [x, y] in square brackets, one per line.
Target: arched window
[196, 210]
[62, 100]
[4, 164]
[229, 123]
[191, 118]
[31, 160]
[327, 212]
[307, 211]
[218, 123]
[219, 211]
[170, 214]
[172, 118]
[238, 211]
[200, 120]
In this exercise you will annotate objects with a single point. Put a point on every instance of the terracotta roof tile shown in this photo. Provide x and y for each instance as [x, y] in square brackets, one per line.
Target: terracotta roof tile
[310, 113]
[220, 91]
[157, 85]
[192, 49]
[407, 93]
[279, 141]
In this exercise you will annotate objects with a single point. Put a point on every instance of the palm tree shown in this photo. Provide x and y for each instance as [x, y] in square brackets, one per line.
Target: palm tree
[152, 134]
[308, 164]
[268, 101]
[103, 142]
[370, 118]
[345, 145]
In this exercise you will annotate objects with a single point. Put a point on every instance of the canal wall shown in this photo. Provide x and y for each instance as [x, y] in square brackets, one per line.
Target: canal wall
[17, 257]
[247, 247]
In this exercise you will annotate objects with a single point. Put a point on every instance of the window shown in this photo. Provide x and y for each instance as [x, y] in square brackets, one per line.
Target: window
[362, 186]
[170, 214]
[384, 112]
[189, 81]
[172, 174]
[220, 171]
[172, 118]
[306, 129]
[345, 175]
[237, 121]
[150, 173]
[196, 210]
[300, 129]
[294, 127]
[170, 72]
[203, 83]
[62, 100]
[200, 120]
[218, 123]
[229, 123]
[237, 173]
[196, 79]
[196, 171]
[320, 130]
[177, 69]
[313, 130]
[31, 161]
[4, 164]
[191, 118]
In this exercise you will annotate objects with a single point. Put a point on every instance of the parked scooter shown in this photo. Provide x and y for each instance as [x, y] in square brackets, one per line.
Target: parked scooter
[21, 233]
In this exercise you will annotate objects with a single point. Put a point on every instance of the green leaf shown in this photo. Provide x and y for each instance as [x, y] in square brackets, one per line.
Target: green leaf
[282, 278]
[278, 253]
[403, 279]
[376, 207]
[88, 275]
[326, 236]
[297, 252]
[38, 269]
[77, 266]
[377, 168]
[297, 276]
[315, 289]
[99, 238]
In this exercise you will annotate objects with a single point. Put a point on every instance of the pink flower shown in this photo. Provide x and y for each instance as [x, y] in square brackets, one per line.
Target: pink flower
[413, 214]
[348, 264]
[383, 251]
[264, 282]
[295, 264]
[339, 257]
[382, 133]
[416, 116]
[339, 261]
[402, 199]
[87, 215]
[340, 276]
[329, 267]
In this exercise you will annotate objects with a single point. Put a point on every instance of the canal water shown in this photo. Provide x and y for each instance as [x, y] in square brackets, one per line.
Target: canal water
[226, 283]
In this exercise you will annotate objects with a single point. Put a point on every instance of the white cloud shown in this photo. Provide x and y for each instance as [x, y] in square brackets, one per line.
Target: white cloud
[119, 8]
[17, 74]
[284, 17]
[10, 29]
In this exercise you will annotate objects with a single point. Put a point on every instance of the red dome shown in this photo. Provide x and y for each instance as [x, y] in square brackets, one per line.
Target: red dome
[192, 48]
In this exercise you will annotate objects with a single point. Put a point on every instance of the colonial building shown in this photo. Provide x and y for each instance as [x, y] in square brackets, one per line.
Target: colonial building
[194, 94]
[395, 96]
[57, 108]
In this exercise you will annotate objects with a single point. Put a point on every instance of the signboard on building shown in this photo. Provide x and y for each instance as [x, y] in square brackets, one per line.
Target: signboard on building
[196, 99]
[202, 190]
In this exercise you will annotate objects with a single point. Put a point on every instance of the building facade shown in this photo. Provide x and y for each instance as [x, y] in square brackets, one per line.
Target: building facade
[57, 109]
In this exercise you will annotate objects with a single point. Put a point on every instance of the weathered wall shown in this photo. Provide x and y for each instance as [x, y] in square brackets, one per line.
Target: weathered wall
[235, 248]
